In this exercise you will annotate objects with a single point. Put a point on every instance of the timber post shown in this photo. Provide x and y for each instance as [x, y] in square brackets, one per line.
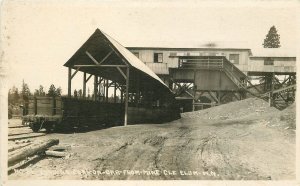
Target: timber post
[95, 87]
[84, 84]
[69, 81]
[126, 97]
[115, 92]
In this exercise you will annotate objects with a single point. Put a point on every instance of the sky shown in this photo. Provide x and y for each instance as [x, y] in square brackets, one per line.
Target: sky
[38, 37]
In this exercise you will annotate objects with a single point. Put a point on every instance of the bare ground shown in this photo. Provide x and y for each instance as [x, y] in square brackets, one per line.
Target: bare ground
[236, 146]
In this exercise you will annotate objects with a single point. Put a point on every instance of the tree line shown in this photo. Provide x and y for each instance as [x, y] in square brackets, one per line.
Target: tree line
[16, 96]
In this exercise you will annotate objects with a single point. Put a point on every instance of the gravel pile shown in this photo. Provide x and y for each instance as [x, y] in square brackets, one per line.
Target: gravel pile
[238, 109]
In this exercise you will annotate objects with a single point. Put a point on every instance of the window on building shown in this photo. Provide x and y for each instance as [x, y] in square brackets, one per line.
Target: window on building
[158, 57]
[234, 58]
[268, 61]
[137, 54]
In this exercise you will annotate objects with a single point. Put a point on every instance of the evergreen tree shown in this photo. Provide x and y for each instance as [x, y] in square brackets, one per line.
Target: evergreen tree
[36, 92]
[13, 96]
[58, 91]
[75, 93]
[272, 39]
[80, 93]
[16, 95]
[52, 90]
[41, 91]
[25, 91]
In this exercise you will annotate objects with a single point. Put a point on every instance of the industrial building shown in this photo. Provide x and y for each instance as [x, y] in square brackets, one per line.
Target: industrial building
[205, 77]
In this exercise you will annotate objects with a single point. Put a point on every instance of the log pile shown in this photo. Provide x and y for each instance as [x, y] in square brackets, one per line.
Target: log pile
[26, 152]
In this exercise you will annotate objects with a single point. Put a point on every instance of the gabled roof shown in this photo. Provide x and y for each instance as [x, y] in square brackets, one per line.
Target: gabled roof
[132, 59]
[99, 45]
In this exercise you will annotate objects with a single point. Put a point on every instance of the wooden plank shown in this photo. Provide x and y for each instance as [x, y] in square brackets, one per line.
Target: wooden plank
[55, 153]
[89, 78]
[213, 96]
[20, 133]
[92, 58]
[17, 126]
[100, 66]
[122, 73]
[106, 57]
[75, 72]
[24, 136]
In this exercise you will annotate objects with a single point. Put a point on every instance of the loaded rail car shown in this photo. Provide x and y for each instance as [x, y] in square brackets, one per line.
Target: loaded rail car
[54, 113]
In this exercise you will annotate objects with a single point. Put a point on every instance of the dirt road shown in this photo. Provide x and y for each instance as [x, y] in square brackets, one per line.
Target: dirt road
[189, 148]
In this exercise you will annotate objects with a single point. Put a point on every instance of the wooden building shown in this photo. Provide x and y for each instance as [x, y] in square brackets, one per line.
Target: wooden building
[238, 65]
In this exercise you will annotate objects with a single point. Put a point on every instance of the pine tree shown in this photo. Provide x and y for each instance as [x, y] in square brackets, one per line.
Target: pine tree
[272, 39]
[41, 91]
[58, 91]
[80, 93]
[25, 91]
[75, 93]
[36, 92]
[52, 90]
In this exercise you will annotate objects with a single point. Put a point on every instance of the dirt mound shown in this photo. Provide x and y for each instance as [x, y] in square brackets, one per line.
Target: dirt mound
[288, 116]
[244, 108]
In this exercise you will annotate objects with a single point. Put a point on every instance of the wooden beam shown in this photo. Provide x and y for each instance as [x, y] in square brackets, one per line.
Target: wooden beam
[115, 92]
[116, 52]
[95, 87]
[122, 73]
[106, 92]
[75, 72]
[105, 57]
[213, 96]
[126, 97]
[233, 93]
[88, 78]
[69, 81]
[100, 66]
[84, 84]
[92, 58]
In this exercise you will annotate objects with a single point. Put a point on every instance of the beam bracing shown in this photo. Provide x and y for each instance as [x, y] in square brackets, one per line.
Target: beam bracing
[213, 96]
[75, 72]
[126, 96]
[69, 81]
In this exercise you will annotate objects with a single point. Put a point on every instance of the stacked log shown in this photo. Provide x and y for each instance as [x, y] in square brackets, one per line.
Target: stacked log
[30, 150]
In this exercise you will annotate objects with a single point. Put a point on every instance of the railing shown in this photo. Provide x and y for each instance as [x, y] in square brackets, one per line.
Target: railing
[201, 63]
